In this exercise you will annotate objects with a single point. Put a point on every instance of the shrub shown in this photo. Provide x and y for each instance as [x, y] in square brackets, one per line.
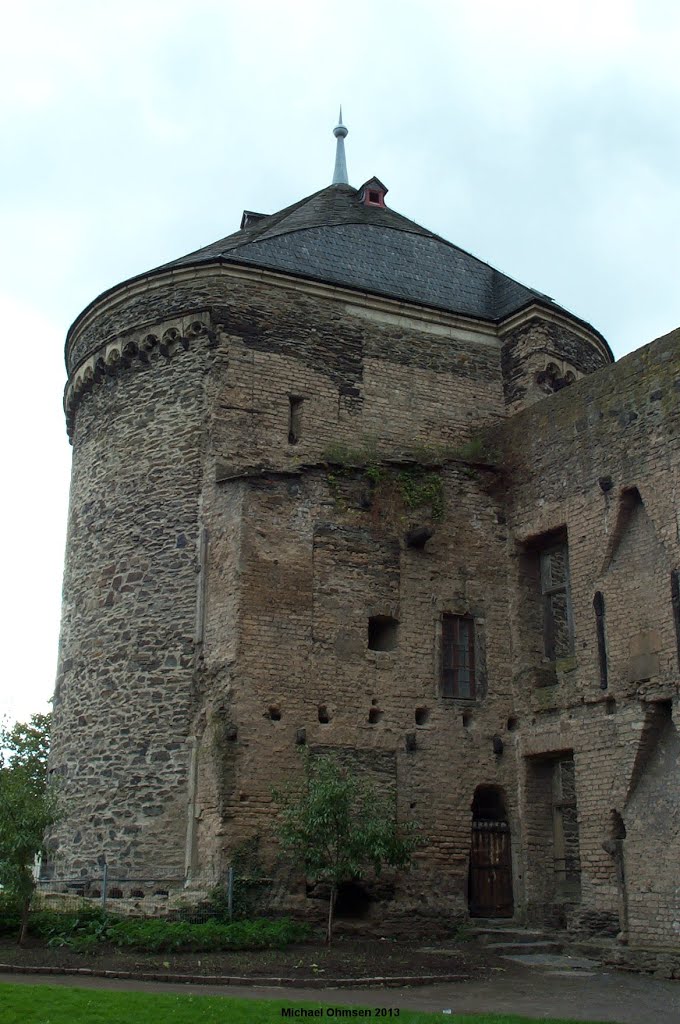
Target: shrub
[212, 936]
[10, 913]
[79, 930]
[86, 930]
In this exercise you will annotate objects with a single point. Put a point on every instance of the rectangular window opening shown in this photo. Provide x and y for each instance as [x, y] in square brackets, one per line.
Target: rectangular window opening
[558, 632]
[565, 830]
[458, 657]
[294, 419]
[675, 604]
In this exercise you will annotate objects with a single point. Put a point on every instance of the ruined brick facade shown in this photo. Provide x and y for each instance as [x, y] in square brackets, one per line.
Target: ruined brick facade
[305, 513]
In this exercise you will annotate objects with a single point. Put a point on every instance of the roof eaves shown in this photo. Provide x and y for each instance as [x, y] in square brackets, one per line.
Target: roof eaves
[551, 306]
[220, 259]
[244, 262]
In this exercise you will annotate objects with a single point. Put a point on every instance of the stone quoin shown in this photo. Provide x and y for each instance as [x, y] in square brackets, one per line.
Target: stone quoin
[337, 482]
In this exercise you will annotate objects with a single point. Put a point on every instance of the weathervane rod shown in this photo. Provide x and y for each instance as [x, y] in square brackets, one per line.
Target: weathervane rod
[340, 171]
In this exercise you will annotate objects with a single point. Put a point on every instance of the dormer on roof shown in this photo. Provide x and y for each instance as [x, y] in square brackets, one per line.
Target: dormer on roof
[250, 217]
[373, 192]
[328, 237]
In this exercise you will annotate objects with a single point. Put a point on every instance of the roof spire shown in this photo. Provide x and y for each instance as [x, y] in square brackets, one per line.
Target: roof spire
[340, 172]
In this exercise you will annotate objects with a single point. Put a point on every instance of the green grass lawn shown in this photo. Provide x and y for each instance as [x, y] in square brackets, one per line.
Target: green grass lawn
[51, 1004]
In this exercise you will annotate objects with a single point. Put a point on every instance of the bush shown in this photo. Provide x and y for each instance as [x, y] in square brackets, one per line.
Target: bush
[80, 930]
[85, 930]
[10, 913]
[212, 936]
[58, 929]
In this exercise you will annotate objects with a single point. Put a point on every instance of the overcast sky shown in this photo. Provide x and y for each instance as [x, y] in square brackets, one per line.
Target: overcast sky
[542, 137]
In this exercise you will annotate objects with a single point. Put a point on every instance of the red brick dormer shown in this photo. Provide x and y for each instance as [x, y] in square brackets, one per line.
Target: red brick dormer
[373, 192]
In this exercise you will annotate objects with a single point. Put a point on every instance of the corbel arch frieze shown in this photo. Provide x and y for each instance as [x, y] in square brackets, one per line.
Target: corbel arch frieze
[552, 372]
[145, 347]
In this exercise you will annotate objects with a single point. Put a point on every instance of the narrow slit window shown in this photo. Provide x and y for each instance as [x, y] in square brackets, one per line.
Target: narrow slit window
[294, 419]
[598, 605]
[458, 657]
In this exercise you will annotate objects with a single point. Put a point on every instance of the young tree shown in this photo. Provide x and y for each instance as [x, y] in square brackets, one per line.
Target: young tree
[27, 807]
[335, 828]
[28, 745]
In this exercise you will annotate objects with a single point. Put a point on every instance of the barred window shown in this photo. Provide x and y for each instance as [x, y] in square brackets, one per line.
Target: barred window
[565, 827]
[557, 624]
[458, 657]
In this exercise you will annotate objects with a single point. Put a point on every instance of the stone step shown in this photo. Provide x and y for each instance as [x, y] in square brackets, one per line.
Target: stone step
[555, 963]
[525, 948]
[516, 934]
[494, 922]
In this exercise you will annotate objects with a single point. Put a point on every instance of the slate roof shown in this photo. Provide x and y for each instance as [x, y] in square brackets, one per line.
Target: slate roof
[330, 236]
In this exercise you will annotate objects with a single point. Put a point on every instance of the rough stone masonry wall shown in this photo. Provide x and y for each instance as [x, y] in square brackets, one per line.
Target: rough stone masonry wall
[124, 694]
[139, 690]
[184, 473]
[573, 461]
[401, 372]
[364, 383]
[542, 341]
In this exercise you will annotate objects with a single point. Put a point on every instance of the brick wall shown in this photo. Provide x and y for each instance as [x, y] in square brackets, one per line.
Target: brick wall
[601, 459]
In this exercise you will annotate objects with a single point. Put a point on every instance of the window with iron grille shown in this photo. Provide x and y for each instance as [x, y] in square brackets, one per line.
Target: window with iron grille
[557, 623]
[458, 657]
[565, 827]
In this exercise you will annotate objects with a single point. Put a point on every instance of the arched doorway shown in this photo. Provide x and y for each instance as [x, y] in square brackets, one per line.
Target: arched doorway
[490, 877]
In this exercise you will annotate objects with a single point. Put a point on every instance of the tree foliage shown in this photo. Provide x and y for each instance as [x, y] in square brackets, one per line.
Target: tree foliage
[336, 827]
[28, 746]
[27, 807]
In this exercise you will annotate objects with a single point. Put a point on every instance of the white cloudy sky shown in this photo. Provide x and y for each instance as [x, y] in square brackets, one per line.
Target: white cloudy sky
[543, 137]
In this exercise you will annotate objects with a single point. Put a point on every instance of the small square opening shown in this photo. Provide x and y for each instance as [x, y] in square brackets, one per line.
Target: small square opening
[382, 633]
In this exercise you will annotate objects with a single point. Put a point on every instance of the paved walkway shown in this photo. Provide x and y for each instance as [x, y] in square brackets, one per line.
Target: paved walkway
[539, 993]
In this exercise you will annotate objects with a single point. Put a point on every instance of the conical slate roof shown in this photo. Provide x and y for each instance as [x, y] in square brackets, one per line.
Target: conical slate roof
[332, 236]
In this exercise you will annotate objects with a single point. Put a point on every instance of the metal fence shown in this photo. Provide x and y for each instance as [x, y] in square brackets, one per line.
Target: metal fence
[237, 896]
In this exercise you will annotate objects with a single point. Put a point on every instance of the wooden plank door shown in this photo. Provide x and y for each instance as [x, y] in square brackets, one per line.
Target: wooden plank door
[490, 887]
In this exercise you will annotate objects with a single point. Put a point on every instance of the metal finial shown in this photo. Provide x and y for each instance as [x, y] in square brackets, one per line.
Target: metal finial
[340, 171]
[340, 128]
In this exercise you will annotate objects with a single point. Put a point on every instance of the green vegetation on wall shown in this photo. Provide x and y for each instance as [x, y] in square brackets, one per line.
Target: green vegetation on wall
[395, 488]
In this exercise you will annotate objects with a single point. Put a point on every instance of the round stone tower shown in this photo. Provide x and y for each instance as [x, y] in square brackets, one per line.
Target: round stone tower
[272, 513]
[136, 408]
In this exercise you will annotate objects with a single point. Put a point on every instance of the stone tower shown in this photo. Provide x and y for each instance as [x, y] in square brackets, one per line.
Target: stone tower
[296, 517]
